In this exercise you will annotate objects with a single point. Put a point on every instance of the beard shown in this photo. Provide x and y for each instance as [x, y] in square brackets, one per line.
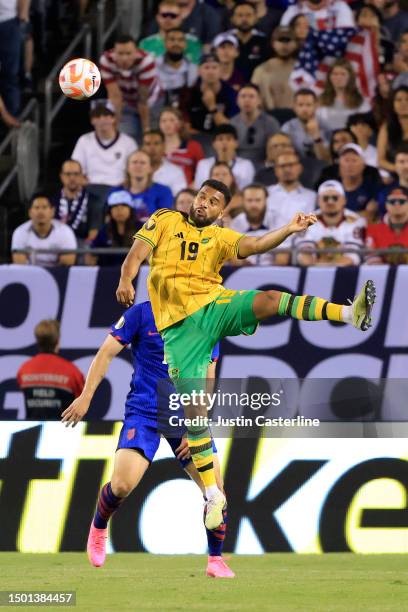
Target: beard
[199, 221]
[245, 27]
[174, 56]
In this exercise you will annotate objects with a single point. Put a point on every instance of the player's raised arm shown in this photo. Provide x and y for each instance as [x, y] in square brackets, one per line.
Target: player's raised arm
[125, 293]
[97, 370]
[254, 245]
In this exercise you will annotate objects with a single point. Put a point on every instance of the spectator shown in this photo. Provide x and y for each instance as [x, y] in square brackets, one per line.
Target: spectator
[308, 133]
[400, 64]
[300, 27]
[74, 206]
[42, 231]
[225, 144]
[49, 382]
[381, 102]
[253, 44]
[11, 13]
[281, 143]
[212, 101]
[341, 97]
[272, 77]
[323, 15]
[179, 149]
[339, 138]
[267, 16]
[395, 19]
[164, 172]
[103, 152]
[118, 231]
[401, 169]
[336, 227]
[226, 49]
[7, 118]
[255, 221]
[370, 18]
[130, 77]
[221, 171]
[184, 200]
[201, 20]
[289, 196]
[363, 127]
[394, 130]
[147, 196]
[253, 125]
[168, 17]
[176, 73]
[361, 192]
[392, 232]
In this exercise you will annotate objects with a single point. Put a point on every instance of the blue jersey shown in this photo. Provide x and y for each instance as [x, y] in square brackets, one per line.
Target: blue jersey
[150, 385]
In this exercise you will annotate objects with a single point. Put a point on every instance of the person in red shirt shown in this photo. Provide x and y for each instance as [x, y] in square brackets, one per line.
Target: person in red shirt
[49, 382]
[392, 233]
[180, 149]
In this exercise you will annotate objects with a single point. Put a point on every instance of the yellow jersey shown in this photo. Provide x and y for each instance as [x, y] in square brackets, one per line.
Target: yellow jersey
[184, 264]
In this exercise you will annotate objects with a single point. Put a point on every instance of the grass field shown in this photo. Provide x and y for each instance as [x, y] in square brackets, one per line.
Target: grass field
[281, 583]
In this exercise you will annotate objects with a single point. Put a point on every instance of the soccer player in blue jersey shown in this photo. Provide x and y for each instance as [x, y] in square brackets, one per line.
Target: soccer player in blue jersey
[146, 410]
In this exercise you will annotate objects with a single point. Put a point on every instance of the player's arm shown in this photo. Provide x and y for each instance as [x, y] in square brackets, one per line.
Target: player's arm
[125, 293]
[251, 245]
[96, 373]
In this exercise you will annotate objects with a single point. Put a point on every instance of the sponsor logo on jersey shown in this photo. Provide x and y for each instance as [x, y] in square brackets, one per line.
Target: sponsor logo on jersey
[152, 333]
[131, 433]
[150, 225]
[179, 235]
[120, 323]
[205, 240]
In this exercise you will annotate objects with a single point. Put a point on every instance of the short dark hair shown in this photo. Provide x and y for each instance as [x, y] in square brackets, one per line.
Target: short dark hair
[242, 3]
[175, 30]
[71, 161]
[304, 91]
[359, 118]
[402, 149]
[221, 187]
[225, 128]
[123, 39]
[37, 195]
[47, 334]
[256, 186]
[154, 133]
[250, 86]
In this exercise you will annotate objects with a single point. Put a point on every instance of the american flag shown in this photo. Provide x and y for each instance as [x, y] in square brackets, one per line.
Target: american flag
[323, 47]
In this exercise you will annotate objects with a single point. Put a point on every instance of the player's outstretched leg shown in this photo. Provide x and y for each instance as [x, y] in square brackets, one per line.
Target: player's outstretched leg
[311, 308]
[128, 470]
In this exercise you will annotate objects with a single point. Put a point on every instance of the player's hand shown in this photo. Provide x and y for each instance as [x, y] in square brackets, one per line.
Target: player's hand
[301, 222]
[75, 412]
[182, 451]
[125, 293]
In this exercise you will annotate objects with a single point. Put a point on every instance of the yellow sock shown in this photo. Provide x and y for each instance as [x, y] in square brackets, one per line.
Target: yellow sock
[309, 308]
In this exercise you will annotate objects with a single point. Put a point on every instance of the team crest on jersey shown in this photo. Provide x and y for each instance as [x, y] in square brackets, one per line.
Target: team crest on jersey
[131, 433]
[174, 372]
[120, 323]
[150, 225]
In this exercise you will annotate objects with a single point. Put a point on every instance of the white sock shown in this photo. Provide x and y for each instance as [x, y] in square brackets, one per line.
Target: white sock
[347, 314]
[211, 491]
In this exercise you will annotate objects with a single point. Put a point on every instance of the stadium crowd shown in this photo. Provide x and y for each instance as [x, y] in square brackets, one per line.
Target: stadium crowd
[295, 105]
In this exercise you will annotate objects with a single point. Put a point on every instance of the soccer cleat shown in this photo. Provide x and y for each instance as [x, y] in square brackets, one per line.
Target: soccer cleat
[96, 547]
[214, 508]
[217, 568]
[362, 306]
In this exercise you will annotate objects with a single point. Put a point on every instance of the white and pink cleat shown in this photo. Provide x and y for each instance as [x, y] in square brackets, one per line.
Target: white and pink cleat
[217, 568]
[96, 547]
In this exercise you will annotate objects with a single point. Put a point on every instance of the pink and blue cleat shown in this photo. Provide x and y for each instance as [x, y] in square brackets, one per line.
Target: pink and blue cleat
[217, 568]
[96, 547]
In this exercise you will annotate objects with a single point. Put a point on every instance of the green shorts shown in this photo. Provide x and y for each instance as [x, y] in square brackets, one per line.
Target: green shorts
[188, 344]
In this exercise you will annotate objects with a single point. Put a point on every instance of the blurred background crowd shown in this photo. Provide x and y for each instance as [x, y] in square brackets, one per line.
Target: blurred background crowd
[296, 105]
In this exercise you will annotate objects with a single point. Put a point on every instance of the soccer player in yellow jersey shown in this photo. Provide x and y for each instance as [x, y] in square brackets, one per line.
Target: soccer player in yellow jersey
[192, 310]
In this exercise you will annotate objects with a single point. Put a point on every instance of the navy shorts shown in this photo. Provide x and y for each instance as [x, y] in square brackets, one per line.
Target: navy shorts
[142, 435]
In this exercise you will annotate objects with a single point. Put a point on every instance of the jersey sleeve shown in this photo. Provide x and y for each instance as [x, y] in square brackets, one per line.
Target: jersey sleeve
[153, 228]
[128, 326]
[216, 352]
[230, 241]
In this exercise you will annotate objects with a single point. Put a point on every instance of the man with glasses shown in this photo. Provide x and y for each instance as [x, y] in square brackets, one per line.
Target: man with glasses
[74, 205]
[169, 17]
[401, 169]
[393, 231]
[253, 125]
[336, 227]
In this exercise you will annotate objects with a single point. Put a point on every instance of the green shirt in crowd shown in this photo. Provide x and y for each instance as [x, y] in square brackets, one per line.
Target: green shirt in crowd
[155, 44]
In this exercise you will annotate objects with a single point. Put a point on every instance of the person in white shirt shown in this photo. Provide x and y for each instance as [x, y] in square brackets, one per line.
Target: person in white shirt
[103, 152]
[256, 221]
[225, 144]
[321, 14]
[42, 231]
[336, 227]
[164, 172]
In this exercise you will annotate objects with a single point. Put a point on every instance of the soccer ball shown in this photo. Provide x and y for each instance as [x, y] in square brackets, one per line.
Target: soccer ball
[79, 79]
